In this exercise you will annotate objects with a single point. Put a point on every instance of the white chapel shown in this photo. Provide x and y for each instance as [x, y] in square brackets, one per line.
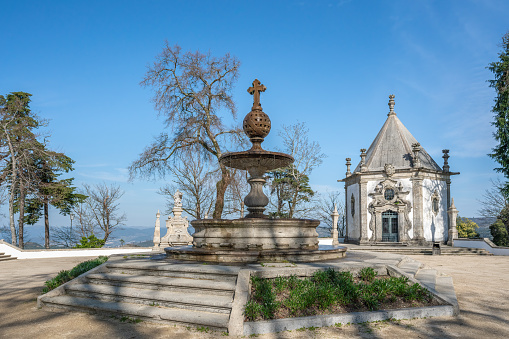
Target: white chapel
[397, 193]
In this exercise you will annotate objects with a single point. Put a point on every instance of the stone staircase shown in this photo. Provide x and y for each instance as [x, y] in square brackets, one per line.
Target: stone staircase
[4, 257]
[170, 292]
[445, 250]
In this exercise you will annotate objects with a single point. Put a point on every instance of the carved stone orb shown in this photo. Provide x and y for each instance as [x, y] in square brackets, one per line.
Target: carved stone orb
[256, 124]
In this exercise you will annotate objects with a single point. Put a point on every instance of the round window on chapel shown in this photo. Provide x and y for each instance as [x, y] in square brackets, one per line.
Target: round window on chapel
[389, 194]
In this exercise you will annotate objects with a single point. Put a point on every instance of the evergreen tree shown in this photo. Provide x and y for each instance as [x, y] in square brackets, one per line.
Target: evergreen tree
[18, 143]
[500, 70]
[291, 189]
[51, 190]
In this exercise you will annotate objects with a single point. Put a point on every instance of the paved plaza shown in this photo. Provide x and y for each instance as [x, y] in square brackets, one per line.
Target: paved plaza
[481, 284]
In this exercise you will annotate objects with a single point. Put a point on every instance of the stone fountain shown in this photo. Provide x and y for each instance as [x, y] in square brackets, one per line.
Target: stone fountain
[256, 237]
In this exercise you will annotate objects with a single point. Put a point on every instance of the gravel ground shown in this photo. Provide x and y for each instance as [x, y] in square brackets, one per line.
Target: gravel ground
[481, 283]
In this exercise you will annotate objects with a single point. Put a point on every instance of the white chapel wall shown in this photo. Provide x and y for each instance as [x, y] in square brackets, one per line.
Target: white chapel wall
[435, 227]
[353, 222]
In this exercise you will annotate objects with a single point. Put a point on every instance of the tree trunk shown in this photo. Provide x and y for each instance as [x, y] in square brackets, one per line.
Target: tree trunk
[14, 174]
[221, 187]
[21, 220]
[11, 214]
[46, 225]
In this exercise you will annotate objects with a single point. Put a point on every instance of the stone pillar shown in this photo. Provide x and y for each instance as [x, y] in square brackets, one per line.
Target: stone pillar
[452, 212]
[347, 215]
[157, 231]
[348, 164]
[363, 211]
[335, 217]
[418, 210]
[448, 182]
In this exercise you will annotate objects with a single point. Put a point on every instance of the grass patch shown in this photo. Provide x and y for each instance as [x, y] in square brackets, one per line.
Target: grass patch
[329, 292]
[65, 276]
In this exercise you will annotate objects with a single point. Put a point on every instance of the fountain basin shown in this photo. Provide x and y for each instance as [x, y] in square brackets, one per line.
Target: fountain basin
[256, 159]
[255, 240]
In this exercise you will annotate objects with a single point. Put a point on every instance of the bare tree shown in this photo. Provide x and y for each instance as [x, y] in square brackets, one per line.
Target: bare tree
[325, 208]
[237, 191]
[84, 219]
[290, 185]
[102, 204]
[190, 91]
[65, 236]
[194, 177]
[493, 200]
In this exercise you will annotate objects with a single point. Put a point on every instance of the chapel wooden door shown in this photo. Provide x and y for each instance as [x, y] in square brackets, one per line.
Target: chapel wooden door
[390, 226]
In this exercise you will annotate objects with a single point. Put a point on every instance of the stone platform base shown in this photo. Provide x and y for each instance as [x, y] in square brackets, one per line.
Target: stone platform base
[253, 256]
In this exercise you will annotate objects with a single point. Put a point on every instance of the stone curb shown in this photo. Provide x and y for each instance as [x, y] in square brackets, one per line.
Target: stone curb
[60, 290]
[261, 327]
[241, 297]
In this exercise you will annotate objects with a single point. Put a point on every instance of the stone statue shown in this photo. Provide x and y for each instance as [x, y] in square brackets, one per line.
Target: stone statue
[177, 197]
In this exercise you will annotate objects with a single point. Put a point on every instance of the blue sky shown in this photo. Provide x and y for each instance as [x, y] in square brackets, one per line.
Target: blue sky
[330, 64]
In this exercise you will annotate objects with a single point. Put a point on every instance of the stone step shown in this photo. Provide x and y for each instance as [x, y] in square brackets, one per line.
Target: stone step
[202, 286]
[384, 244]
[462, 250]
[187, 301]
[410, 250]
[192, 271]
[218, 321]
[5, 257]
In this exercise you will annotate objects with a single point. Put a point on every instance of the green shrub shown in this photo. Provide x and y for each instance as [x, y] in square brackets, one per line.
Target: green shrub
[367, 274]
[499, 233]
[90, 242]
[466, 228]
[65, 276]
[326, 289]
[265, 297]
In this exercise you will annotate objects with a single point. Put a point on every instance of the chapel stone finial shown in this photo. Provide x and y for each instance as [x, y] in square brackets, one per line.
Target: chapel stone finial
[255, 91]
[416, 148]
[363, 160]
[348, 164]
[446, 160]
[391, 105]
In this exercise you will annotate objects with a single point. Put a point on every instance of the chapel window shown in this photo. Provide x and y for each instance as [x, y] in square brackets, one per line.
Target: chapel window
[435, 205]
[352, 205]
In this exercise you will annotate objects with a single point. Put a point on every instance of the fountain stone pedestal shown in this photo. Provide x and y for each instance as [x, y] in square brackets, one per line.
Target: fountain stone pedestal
[256, 237]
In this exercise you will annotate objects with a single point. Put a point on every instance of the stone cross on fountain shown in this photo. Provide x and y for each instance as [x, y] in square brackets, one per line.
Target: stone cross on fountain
[255, 90]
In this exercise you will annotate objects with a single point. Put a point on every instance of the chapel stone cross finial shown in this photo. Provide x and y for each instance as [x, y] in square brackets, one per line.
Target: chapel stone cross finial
[255, 91]
[391, 104]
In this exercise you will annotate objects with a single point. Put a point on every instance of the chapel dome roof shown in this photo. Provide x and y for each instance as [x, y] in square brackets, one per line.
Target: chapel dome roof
[393, 145]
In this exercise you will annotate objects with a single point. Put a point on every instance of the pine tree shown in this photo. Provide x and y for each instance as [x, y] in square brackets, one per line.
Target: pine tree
[500, 69]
